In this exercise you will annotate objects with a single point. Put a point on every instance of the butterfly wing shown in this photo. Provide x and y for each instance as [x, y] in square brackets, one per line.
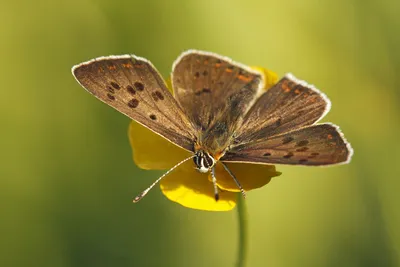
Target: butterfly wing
[134, 87]
[321, 144]
[215, 93]
[278, 129]
[288, 105]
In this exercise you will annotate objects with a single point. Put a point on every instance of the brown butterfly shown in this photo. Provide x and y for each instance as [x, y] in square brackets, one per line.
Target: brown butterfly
[219, 111]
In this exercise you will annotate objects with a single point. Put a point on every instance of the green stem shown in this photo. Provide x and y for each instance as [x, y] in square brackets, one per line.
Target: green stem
[242, 221]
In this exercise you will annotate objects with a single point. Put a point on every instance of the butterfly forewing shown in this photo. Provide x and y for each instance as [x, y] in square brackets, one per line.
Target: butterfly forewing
[215, 94]
[133, 86]
[321, 144]
[288, 105]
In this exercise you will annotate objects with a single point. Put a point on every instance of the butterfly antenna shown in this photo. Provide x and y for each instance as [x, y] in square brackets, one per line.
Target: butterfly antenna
[235, 179]
[141, 195]
[214, 180]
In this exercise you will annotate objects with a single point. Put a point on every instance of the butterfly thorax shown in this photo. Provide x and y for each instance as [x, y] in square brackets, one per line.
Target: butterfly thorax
[203, 161]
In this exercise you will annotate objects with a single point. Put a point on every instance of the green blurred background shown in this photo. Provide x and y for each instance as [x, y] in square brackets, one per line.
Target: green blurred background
[67, 178]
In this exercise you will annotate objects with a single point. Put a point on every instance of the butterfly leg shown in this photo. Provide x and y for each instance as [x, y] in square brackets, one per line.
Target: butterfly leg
[214, 180]
[235, 179]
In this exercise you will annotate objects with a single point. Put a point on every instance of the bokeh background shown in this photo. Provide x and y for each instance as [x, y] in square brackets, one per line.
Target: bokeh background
[66, 174]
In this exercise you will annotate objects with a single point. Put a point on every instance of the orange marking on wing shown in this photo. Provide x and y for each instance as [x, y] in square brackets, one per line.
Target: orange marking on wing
[244, 78]
[127, 65]
[217, 65]
[297, 91]
[112, 67]
[330, 136]
[100, 70]
[228, 70]
[285, 87]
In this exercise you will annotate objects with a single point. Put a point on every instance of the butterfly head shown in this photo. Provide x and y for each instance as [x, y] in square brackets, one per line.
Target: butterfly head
[203, 161]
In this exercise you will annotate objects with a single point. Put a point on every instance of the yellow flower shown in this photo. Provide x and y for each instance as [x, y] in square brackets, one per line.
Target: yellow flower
[185, 185]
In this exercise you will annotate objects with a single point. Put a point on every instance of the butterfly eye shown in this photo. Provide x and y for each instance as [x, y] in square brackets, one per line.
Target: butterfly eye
[209, 161]
[203, 161]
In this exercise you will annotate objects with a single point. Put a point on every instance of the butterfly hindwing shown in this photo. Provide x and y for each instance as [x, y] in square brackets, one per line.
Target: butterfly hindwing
[288, 105]
[321, 144]
[134, 87]
[215, 94]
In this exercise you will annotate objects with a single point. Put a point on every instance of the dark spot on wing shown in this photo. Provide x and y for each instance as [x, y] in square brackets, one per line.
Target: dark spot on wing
[204, 90]
[267, 154]
[287, 139]
[303, 149]
[205, 73]
[302, 143]
[154, 96]
[115, 85]
[278, 122]
[110, 89]
[303, 161]
[110, 96]
[313, 155]
[139, 86]
[133, 103]
[131, 90]
[197, 74]
[288, 155]
[159, 95]
[153, 117]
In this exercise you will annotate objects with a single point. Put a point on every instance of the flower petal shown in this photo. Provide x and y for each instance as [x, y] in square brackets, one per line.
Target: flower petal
[270, 77]
[151, 151]
[250, 176]
[168, 82]
[192, 189]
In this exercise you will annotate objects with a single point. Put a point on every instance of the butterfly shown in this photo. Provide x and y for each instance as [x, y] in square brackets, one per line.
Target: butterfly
[219, 111]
